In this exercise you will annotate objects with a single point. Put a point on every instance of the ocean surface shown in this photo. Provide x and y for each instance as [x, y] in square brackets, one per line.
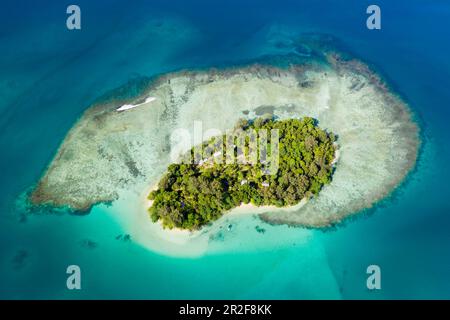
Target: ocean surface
[50, 75]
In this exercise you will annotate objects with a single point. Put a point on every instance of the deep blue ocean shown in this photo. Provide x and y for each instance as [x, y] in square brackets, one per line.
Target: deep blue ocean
[50, 75]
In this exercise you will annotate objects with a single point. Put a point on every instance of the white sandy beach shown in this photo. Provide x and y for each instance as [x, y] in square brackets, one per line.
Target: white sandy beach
[110, 154]
[131, 106]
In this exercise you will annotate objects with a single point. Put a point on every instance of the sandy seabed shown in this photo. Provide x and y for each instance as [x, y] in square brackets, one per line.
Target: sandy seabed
[115, 156]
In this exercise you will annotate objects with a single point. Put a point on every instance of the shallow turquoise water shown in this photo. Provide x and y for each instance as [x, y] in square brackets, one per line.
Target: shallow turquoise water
[49, 75]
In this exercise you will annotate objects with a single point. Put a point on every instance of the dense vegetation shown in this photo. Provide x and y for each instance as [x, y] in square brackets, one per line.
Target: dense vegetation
[193, 193]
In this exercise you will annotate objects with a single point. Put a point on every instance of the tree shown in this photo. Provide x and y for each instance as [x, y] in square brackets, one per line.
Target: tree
[191, 195]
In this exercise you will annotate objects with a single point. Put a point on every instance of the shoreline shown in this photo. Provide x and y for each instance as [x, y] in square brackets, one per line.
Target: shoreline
[243, 208]
[178, 242]
[378, 139]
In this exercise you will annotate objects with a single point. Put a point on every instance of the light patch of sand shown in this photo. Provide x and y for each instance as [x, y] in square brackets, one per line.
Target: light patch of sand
[108, 154]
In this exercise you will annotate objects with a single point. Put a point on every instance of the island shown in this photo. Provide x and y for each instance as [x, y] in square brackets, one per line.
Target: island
[119, 154]
[199, 190]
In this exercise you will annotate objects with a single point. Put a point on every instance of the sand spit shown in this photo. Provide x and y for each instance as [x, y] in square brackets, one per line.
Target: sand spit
[107, 152]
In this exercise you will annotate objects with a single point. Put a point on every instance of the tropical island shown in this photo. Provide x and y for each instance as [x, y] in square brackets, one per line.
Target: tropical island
[121, 146]
[194, 193]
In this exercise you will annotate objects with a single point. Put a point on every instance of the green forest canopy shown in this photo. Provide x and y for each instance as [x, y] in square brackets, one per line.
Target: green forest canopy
[194, 193]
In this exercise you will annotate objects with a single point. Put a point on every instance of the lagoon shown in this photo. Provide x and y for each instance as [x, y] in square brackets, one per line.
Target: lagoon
[404, 232]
